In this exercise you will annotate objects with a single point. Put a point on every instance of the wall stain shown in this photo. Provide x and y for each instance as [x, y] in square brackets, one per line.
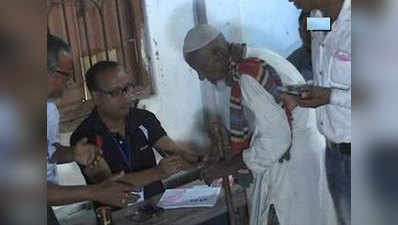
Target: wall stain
[157, 55]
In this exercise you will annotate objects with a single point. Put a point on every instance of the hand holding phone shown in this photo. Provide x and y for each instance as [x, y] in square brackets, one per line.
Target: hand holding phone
[295, 90]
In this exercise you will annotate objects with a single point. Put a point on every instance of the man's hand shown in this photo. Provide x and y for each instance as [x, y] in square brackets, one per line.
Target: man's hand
[114, 193]
[189, 160]
[289, 101]
[84, 153]
[213, 171]
[314, 96]
[170, 165]
[98, 171]
[167, 147]
[310, 96]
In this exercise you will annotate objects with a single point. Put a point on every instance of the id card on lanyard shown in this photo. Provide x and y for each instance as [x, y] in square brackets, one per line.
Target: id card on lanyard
[124, 149]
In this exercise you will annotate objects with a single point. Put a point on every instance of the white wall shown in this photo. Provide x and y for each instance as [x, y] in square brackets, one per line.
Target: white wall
[177, 102]
[225, 15]
[271, 24]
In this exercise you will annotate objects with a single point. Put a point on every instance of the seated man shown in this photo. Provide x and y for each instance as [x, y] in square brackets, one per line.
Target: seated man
[127, 135]
[110, 192]
[265, 127]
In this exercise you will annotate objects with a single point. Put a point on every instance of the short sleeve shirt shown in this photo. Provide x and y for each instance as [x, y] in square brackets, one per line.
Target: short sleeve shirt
[143, 130]
[52, 138]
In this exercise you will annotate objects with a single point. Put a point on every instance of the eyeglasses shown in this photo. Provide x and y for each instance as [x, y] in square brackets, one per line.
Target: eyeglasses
[117, 92]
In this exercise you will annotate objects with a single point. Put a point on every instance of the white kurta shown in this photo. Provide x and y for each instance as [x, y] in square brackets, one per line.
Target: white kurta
[297, 188]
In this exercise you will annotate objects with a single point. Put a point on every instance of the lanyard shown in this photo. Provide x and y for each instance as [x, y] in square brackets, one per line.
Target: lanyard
[126, 155]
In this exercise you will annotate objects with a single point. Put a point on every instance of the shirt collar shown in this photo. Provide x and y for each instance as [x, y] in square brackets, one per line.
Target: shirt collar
[344, 14]
[99, 125]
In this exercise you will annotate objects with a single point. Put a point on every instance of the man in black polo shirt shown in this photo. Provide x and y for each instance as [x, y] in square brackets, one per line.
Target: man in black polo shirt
[127, 135]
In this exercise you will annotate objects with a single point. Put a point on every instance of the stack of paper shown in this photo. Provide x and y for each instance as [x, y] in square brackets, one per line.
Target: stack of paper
[201, 196]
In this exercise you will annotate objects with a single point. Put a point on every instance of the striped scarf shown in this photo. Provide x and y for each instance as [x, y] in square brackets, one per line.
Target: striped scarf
[269, 79]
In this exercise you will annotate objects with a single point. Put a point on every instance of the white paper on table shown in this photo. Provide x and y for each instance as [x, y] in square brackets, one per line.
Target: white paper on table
[200, 186]
[198, 196]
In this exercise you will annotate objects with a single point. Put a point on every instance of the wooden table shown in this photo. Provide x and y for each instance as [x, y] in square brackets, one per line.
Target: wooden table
[185, 216]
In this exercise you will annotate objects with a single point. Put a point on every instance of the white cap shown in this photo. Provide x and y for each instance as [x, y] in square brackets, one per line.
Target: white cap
[199, 36]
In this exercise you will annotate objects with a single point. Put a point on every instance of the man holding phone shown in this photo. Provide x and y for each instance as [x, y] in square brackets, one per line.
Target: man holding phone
[331, 95]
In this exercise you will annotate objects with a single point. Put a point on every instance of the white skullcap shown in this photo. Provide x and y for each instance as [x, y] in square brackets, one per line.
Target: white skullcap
[199, 36]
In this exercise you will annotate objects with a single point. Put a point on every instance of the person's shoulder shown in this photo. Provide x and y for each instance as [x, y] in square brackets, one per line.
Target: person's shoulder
[142, 114]
[268, 56]
[85, 123]
[295, 55]
[262, 53]
[92, 118]
[299, 58]
[84, 127]
[251, 66]
[286, 70]
[51, 107]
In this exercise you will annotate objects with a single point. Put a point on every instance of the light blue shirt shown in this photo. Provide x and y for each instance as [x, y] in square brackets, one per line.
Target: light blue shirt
[52, 138]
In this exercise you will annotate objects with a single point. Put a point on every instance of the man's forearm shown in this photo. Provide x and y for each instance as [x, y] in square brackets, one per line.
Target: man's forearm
[63, 195]
[63, 154]
[167, 145]
[170, 147]
[144, 177]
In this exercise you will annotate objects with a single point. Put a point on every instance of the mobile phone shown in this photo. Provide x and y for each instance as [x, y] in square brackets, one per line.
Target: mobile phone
[291, 90]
